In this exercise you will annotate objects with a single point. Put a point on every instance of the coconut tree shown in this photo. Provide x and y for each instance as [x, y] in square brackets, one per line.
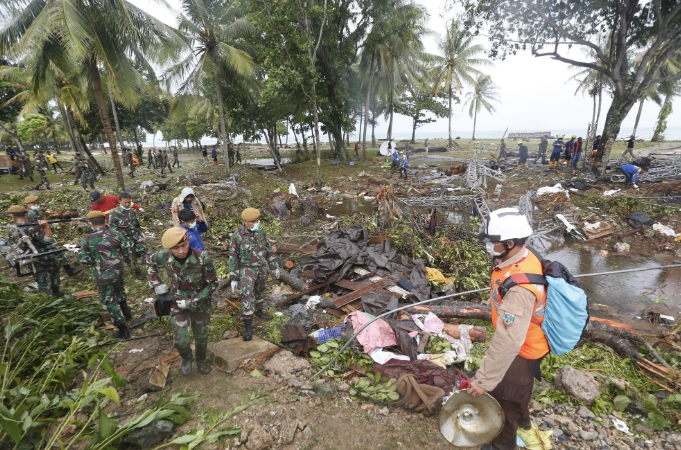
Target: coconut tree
[484, 92]
[457, 64]
[101, 36]
[215, 33]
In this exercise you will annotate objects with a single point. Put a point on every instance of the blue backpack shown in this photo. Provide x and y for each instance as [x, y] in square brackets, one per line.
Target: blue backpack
[567, 312]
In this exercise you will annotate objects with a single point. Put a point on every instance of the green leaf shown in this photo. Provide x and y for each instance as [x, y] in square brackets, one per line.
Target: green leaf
[106, 425]
[111, 393]
[9, 424]
[332, 344]
[323, 348]
[650, 403]
[394, 396]
[621, 402]
[315, 354]
[256, 373]
[352, 392]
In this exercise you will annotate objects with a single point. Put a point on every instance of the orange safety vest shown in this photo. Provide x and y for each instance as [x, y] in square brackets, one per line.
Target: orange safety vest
[535, 346]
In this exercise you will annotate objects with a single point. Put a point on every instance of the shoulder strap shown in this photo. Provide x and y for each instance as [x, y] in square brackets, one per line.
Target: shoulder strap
[521, 278]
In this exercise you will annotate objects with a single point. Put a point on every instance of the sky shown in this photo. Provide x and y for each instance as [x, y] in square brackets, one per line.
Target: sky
[534, 93]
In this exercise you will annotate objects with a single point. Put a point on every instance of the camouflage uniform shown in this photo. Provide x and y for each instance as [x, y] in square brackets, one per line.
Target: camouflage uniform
[86, 175]
[128, 161]
[250, 256]
[33, 217]
[193, 280]
[176, 158]
[150, 157]
[25, 168]
[46, 267]
[126, 222]
[41, 166]
[164, 161]
[105, 251]
[76, 168]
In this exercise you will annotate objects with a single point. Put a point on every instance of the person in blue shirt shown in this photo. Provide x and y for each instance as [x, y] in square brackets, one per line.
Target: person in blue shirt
[194, 227]
[396, 157]
[404, 165]
[557, 148]
[630, 173]
[214, 154]
[569, 150]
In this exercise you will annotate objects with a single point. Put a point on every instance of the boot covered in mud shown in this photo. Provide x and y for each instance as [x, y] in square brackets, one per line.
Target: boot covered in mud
[187, 358]
[138, 272]
[123, 332]
[71, 271]
[125, 309]
[248, 329]
[203, 365]
[260, 314]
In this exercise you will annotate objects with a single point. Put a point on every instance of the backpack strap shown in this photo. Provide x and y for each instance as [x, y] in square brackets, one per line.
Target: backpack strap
[521, 278]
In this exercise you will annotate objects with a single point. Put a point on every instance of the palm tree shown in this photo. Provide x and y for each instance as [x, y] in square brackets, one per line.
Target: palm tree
[456, 64]
[669, 89]
[215, 33]
[100, 36]
[483, 92]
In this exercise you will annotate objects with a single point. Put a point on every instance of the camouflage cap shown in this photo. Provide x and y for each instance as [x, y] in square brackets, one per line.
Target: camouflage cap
[172, 237]
[31, 199]
[17, 209]
[94, 215]
[250, 215]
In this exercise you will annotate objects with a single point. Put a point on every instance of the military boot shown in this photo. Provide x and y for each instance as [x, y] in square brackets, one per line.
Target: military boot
[203, 365]
[125, 309]
[187, 358]
[260, 314]
[70, 271]
[138, 272]
[248, 329]
[122, 333]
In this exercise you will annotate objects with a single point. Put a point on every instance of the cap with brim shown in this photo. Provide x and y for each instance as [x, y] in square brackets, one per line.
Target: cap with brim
[250, 215]
[94, 215]
[95, 196]
[17, 209]
[31, 199]
[172, 237]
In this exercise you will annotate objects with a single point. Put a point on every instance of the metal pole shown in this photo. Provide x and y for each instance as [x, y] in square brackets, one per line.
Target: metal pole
[460, 294]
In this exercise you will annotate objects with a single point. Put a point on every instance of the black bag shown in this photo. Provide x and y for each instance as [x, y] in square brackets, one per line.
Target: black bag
[638, 219]
[162, 304]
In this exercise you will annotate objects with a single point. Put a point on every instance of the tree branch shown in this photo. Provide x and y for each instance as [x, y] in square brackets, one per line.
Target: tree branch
[587, 65]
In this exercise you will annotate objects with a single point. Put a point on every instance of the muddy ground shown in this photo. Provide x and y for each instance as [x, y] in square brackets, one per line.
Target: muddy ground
[338, 421]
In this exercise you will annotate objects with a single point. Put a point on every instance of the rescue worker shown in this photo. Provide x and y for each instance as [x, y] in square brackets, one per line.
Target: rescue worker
[543, 146]
[123, 219]
[597, 143]
[569, 149]
[523, 152]
[404, 165]
[128, 160]
[630, 173]
[514, 356]
[163, 156]
[357, 147]
[87, 176]
[187, 200]
[250, 260]
[105, 251]
[25, 168]
[557, 148]
[630, 147]
[42, 168]
[576, 153]
[192, 279]
[76, 168]
[230, 154]
[176, 158]
[37, 239]
[204, 153]
[34, 216]
[194, 227]
[107, 203]
[238, 156]
[150, 157]
[502, 150]
[51, 158]
[396, 156]
[214, 155]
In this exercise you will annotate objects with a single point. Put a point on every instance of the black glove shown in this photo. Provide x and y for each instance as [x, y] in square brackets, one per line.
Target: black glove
[162, 304]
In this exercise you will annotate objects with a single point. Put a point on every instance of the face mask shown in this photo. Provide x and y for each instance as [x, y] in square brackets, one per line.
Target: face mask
[35, 208]
[192, 225]
[489, 246]
[256, 226]
[124, 208]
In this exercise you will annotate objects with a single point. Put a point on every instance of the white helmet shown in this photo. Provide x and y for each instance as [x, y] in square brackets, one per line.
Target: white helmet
[504, 224]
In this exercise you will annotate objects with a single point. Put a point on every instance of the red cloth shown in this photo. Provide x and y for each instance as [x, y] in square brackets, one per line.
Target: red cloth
[108, 203]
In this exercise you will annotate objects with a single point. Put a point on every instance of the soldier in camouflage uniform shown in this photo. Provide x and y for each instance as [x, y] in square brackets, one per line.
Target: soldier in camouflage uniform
[250, 260]
[86, 174]
[76, 168]
[192, 280]
[25, 168]
[164, 161]
[128, 160]
[150, 158]
[37, 239]
[123, 219]
[42, 168]
[105, 251]
[176, 158]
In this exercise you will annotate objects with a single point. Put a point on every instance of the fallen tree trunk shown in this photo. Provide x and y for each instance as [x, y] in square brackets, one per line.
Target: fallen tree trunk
[454, 310]
[294, 282]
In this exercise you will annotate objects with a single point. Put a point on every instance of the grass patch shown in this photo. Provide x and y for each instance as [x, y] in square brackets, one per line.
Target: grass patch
[221, 323]
[271, 327]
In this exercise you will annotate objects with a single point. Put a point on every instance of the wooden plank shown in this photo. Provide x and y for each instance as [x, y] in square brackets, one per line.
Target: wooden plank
[313, 288]
[351, 285]
[349, 298]
[292, 248]
[157, 380]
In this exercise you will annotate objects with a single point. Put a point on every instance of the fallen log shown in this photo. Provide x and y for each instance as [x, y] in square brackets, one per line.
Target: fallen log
[454, 310]
[294, 282]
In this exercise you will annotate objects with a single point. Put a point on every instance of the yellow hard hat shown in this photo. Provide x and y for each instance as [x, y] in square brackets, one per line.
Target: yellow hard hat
[574, 136]
[520, 142]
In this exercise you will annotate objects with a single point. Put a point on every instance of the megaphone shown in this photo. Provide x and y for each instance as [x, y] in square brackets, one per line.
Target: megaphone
[470, 422]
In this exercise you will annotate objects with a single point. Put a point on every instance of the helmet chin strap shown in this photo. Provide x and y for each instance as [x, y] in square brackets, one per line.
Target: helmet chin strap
[506, 250]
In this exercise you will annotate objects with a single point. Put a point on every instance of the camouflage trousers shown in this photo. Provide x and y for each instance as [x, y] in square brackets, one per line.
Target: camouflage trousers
[176, 161]
[43, 180]
[166, 165]
[252, 282]
[132, 170]
[182, 320]
[47, 278]
[111, 296]
[86, 179]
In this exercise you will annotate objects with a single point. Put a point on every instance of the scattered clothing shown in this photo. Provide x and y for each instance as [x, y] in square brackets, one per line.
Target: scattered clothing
[378, 334]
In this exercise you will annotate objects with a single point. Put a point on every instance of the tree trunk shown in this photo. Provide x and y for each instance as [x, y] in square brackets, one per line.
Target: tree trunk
[475, 122]
[600, 101]
[450, 116]
[665, 111]
[318, 140]
[373, 129]
[270, 138]
[366, 107]
[619, 109]
[413, 130]
[115, 116]
[138, 151]
[67, 126]
[89, 155]
[14, 137]
[104, 115]
[638, 114]
[223, 132]
[593, 114]
[392, 113]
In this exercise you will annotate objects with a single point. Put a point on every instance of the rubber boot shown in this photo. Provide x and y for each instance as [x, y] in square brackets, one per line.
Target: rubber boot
[70, 271]
[187, 358]
[122, 333]
[203, 365]
[248, 329]
[138, 272]
[60, 294]
[260, 314]
[125, 309]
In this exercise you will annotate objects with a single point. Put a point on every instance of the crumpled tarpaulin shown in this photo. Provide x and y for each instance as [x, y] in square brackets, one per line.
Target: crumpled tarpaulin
[343, 249]
[378, 334]
[425, 372]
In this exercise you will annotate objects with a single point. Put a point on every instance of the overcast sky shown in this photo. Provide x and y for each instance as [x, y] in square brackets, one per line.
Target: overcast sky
[534, 92]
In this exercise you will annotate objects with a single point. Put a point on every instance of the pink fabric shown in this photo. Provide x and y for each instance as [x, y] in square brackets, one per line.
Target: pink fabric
[378, 334]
